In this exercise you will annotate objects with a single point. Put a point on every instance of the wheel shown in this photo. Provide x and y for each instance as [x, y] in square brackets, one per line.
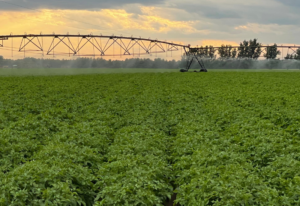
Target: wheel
[183, 70]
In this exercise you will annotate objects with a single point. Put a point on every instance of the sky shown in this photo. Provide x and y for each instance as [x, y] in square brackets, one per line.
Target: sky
[204, 22]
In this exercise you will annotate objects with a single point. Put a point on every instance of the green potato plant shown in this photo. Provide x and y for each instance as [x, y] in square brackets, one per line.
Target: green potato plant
[220, 138]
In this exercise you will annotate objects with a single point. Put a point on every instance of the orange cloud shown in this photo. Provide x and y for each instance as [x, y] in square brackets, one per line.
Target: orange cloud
[105, 21]
[214, 42]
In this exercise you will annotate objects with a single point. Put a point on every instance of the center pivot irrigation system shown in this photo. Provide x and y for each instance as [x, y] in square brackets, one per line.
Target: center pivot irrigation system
[96, 46]
[103, 46]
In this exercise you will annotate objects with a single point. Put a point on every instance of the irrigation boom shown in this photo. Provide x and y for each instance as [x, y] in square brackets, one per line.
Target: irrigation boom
[96, 45]
[102, 45]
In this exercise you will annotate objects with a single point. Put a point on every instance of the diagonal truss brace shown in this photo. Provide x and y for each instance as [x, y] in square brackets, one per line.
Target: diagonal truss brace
[2, 39]
[68, 44]
[294, 51]
[30, 41]
[190, 59]
[172, 48]
[125, 47]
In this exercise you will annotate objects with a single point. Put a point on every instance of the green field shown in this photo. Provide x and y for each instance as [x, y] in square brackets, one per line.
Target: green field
[71, 71]
[217, 138]
[64, 71]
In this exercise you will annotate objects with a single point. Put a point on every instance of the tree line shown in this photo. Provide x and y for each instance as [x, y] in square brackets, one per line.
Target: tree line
[246, 54]
[251, 49]
[30, 62]
[231, 63]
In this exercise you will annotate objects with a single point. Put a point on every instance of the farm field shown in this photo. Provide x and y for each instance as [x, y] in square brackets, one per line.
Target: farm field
[71, 71]
[217, 138]
[88, 71]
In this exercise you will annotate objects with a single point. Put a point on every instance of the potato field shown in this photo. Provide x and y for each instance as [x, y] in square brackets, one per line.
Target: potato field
[217, 138]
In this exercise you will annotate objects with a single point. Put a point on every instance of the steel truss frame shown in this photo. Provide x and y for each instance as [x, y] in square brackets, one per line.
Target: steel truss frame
[292, 48]
[1, 40]
[146, 45]
[190, 58]
[101, 44]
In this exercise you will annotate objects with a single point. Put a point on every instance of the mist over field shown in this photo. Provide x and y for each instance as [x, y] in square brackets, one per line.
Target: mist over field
[251, 64]
[158, 63]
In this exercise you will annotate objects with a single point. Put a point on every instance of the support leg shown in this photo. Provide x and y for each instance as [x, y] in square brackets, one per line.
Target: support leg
[203, 69]
[189, 62]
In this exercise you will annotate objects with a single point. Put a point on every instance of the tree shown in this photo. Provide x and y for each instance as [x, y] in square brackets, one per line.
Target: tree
[250, 49]
[202, 51]
[234, 53]
[222, 51]
[226, 51]
[272, 52]
[207, 51]
[1, 61]
[289, 56]
[297, 55]
[211, 52]
[94, 63]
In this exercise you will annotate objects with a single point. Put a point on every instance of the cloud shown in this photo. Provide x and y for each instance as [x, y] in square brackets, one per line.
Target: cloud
[110, 21]
[290, 3]
[264, 28]
[211, 11]
[217, 42]
[240, 12]
[192, 22]
[71, 4]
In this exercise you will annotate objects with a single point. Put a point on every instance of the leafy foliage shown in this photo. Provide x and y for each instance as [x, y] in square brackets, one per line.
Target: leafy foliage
[272, 52]
[1, 61]
[207, 51]
[226, 51]
[249, 49]
[295, 56]
[135, 139]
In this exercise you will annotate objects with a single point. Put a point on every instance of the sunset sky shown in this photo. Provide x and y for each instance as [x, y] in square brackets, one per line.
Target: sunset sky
[190, 22]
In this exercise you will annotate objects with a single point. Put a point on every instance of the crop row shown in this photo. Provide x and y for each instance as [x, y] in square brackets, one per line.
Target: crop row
[135, 139]
[243, 149]
[65, 145]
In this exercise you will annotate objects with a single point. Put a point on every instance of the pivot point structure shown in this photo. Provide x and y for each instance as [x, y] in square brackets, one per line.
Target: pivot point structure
[190, 58]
